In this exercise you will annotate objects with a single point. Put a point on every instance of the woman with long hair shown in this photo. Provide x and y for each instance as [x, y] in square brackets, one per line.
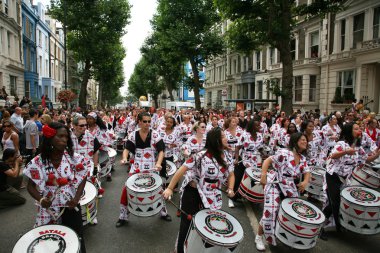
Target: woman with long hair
[57, 178]
[284, 138]
[289, 164]
[10, 138]
[205, 172]
[316, 151]
[346, 155]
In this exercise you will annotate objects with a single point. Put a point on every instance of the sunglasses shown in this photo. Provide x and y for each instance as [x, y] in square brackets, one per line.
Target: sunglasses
[6, 126]
[202, 126]
[83, 125]
[146, 121]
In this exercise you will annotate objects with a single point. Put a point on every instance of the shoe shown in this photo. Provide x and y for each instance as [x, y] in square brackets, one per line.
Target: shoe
[100, 196]
[166, 217]
[120, 223]
[323, 235]
[259, 243]
[94, 221]
[231, 203]
[109, 179]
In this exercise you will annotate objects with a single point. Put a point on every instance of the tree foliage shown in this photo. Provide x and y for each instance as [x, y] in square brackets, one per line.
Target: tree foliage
[94, 30]
[270, 22]
[190, 30]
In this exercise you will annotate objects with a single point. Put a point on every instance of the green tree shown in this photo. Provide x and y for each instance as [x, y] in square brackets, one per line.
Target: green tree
[189, 29]
[92, 27]
[270, 22]
[167, 61]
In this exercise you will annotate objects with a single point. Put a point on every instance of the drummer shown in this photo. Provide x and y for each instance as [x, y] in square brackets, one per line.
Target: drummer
[98, 129]
[250, 144]
[346, 155]
[205, 172]
[196, 142]
[280, 183]
[148, 149]
[56, 180]
[88, 146]
[170, 137]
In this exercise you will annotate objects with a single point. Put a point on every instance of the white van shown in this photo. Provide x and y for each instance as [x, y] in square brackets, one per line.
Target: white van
[145, 104]
[178, 105]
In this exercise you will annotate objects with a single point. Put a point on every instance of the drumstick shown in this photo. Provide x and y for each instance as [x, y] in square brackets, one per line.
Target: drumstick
[189, 216]
[67, 198]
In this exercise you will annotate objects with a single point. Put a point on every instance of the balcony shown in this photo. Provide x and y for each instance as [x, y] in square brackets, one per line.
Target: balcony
[367, 45]
[315, 60]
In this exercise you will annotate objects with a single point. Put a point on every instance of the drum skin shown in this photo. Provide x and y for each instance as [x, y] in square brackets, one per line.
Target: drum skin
[360, 210]
[366, 177]
[298, 223]
[249, 189]
[88, 203]
[171, 169]
[214, 232]
[144, 194]
[48, 238]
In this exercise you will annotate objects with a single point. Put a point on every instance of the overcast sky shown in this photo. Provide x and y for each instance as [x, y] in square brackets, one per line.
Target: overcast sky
[138, 29]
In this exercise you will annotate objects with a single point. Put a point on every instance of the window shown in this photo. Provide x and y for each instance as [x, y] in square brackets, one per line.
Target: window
[1, 39]
[230, 92]
[209, 97]
[46, 91]
[6, 6]
[271, 56]
[312, 88]
[9, 43]
[293, 49]
[342, 34]
[219, 97]
[27, 89]
[376, 23]
[358, 29]
[346, 83]
[314, 44]
[39, 38]
[298, 88]
[259, 89]
[13, 84]
[46, 67]
[1, 79]
[245, 91]
[40, 67]
[258, 60]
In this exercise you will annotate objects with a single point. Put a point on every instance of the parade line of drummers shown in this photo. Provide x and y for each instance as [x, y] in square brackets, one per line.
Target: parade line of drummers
[289, 165]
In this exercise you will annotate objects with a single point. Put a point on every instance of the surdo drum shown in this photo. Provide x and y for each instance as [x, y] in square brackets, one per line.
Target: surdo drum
[315, 185]
[120, 142]
[360, 210]
[298, 223]
[47, 239]
[249, 187]
[104, 162]
[88, 203]
[144, 194]
[213, 232]
[366, 177]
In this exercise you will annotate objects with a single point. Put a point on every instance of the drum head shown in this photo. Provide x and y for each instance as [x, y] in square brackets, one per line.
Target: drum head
[170, 168]
[49, 238]
[112, 152]
[144, 182]
[302, 210]
[89, 193]
[254, 173]
[370, 172]
[219, 227]
[361, 196]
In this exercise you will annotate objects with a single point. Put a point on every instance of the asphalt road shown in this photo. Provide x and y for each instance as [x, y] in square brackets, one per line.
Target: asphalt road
[153, 235]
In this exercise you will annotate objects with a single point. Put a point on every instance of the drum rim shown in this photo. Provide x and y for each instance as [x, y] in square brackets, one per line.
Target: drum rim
[171, 164]
[313, 206]
[358, 203]
[48, 229]
[87, 201]
[145, 191]
[218, 243]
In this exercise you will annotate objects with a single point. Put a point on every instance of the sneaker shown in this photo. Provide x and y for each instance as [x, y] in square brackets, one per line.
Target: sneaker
[323, 235]
[259, 243]
[166, 218]
[100, 196]
[109, 179]
[95, 221]
[120, 223]
[231, 203]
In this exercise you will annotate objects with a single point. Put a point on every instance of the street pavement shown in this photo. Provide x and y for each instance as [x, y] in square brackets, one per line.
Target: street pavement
[153, 235]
